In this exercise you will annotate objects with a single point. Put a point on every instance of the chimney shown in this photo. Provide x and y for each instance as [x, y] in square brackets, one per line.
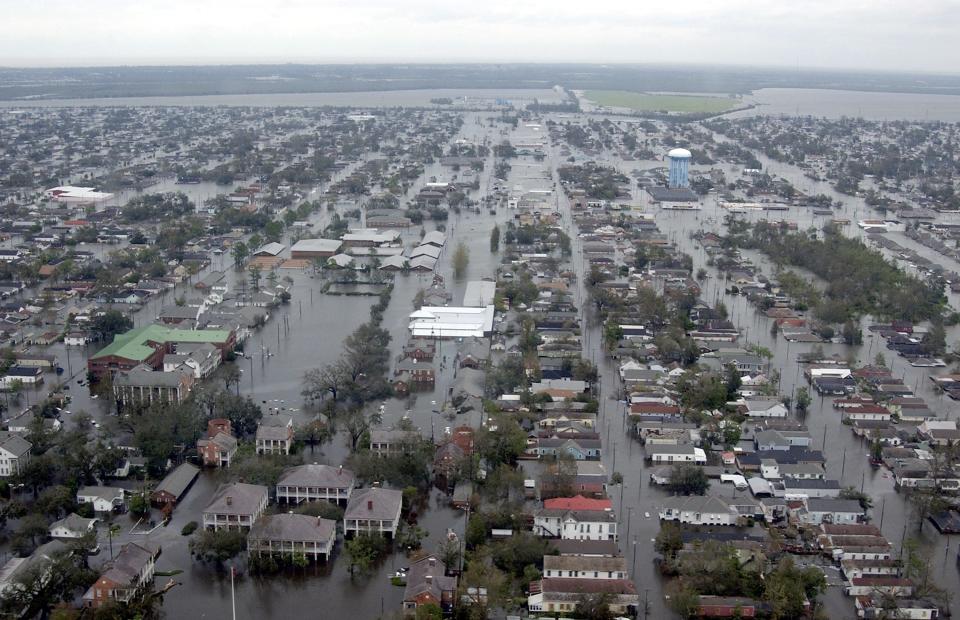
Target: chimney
[229, 501]
[319, 521]
[428, 578]
[369, 504]
[340, 470]
[433, 561]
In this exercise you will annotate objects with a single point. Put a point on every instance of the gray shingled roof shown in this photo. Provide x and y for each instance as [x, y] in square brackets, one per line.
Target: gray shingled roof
[384, 504]
[244, 499]
[294, 528]
[176, 482]
[317, 476]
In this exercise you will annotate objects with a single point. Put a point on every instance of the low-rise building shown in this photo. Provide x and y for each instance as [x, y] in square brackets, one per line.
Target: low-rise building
[103, 499]
[307, 483]
[373, 510]
[291, 534]
[698, 510]
[235, 506]
[174, 485]
[660, 454]
[14, 453]
[274, 435]
[577, 518]
[126, 578]
[584, 567]
[831, 510]
[428, 584]
[563, 595]
[219, 446]
[72, 526]
[143, 385]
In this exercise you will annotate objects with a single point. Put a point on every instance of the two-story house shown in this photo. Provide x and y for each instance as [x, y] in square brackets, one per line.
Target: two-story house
[274, 435]
[373, 510]
[235, 506]
[219, 446]
[428, 583]
[126, 578]
[14, 453]
[584, 567]
[307, 483]
[576, 518]
[290, 534]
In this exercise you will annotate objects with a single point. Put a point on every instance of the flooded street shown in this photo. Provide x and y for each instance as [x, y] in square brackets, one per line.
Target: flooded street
[309, 331]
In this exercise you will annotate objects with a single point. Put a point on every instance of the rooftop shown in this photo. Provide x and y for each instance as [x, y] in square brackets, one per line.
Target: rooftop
[133, 344]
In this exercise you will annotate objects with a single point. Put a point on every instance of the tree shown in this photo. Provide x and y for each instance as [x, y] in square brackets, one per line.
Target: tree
[594, 607]
[802, 400]
[935, 340]
[851, 334]
[481, 573]
[461, 258]
[363, 550]
[684, 600]
[34, 591]
[255, 275]
[239, 251]
[504, 444]
[787, 588]
[688, 479]
[926, 503]
[495, 238]
[320, 508]
[411, 536]
[866, 502]
[449, 552]
[429, 611]
[217, 546]
[230, 375]
[105, 326]
[669, 540]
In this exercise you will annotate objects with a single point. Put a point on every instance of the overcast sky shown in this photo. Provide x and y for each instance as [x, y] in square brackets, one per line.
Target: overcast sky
[869, 34]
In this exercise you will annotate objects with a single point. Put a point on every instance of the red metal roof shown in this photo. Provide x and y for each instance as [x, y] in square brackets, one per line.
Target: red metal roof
[578, 502]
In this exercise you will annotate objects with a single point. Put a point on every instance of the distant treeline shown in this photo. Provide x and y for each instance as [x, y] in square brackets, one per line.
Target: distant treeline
[92, 82]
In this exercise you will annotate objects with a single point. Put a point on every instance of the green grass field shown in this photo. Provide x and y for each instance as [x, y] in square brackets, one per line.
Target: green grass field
[641, 102]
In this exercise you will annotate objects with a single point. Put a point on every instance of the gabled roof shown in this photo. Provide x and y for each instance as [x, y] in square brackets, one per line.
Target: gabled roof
[577, 502]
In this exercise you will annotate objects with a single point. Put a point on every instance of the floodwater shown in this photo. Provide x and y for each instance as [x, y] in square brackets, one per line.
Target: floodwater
[317, 324]
[855, 104]
[361, 99]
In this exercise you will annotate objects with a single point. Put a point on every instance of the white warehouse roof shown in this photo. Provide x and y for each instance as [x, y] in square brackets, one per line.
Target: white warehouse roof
[451, 322]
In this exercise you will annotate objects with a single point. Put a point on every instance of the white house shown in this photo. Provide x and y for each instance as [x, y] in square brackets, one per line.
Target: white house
[14, 453]
[576, 518]
[373, 510]
[103, 499]
[764, 409]
[584, 567]
[698, 510]
[236, 505]
[831, 510]
[679, 453]
[72, 526]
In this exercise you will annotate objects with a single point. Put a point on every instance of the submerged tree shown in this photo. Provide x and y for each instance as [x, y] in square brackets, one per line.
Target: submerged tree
[461, 258]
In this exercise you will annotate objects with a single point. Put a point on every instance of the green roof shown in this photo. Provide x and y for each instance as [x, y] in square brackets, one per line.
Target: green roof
[132, 345]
